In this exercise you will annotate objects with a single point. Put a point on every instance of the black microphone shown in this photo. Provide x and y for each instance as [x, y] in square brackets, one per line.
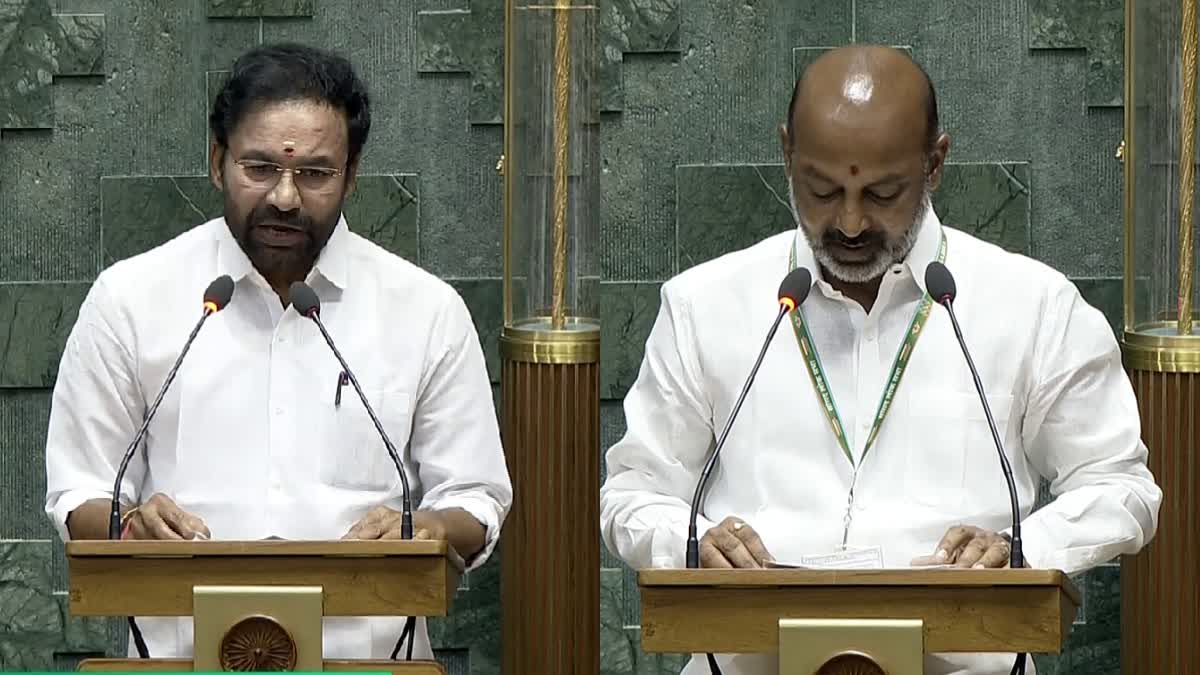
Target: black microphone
[792, 292]
[940, 285]
[216, 296]
[305, 301]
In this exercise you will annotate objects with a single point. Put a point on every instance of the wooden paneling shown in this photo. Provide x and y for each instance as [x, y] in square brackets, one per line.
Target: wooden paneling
[1160, 604]
[550, 558]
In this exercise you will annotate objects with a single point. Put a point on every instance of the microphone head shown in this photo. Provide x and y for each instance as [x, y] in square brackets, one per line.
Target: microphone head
[304, 299]
[795, 287]
[218, 294]
[939, 283]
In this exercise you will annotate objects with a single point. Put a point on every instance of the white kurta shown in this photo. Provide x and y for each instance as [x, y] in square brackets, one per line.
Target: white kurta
[249, 437]
[1049, 363]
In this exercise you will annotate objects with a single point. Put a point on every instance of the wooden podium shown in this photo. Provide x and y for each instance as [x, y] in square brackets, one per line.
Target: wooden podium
[855, 621]
[258, 605]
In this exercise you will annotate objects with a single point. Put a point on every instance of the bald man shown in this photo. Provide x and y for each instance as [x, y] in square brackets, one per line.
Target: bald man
[920, 484]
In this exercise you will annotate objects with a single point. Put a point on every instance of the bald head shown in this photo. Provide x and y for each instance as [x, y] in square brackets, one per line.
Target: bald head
[865, 86]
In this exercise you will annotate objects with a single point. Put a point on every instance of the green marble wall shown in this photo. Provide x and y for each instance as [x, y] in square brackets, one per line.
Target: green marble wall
[103, 148]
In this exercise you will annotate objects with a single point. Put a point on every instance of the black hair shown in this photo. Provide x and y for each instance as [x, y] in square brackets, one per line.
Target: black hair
[933, 127]
[290, 72]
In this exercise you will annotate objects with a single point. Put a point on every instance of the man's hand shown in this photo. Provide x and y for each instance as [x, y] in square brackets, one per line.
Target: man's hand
[732, 543]
[384, 523]
[966, 546]
[160, 518]
[466, 534]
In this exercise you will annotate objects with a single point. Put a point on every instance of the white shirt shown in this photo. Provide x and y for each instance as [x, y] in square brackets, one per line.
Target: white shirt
[1049, 363]
[248, 437]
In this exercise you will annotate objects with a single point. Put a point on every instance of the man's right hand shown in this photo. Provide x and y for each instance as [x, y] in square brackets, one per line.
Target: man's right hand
[160, 518]
[733, 543]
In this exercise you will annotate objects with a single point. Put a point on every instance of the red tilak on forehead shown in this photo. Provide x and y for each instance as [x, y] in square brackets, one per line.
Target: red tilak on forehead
[853, 170]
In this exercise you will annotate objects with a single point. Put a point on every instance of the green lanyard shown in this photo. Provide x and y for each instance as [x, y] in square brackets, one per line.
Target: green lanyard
[899, 364]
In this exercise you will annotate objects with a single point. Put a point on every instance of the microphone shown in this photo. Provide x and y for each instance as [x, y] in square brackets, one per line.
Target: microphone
[940, 284]
[216, 296]
[305, 301]
[792, 292]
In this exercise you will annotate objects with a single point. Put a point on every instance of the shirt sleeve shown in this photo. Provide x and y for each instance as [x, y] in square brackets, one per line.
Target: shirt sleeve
[1083, 433]
[94, 413]
[456, 436]
[652, 471]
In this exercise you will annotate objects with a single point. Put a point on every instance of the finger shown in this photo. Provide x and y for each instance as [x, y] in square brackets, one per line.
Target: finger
[733, 549]
[995, 556]
[368, 532]
[174, 517]
[155, 526]
[971, 553]
[711, 557]
[752, 542]
[955, 539]
[421, 533]
[191, 527]
[926, 560]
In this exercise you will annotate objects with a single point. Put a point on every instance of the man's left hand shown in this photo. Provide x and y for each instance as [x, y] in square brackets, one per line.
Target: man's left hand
[966, 546]
[384, 523]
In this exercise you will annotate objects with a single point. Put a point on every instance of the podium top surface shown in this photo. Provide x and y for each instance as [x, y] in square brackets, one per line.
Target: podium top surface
[105, 548]
[915, 577]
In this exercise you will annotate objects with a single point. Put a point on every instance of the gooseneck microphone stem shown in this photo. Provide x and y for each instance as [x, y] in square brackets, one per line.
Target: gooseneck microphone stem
[1016, 557]
[406, 524]
[693, 543]
[114, 516]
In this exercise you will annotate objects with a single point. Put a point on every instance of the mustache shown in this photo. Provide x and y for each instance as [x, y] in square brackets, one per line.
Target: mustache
[835, 236]
[271, 216]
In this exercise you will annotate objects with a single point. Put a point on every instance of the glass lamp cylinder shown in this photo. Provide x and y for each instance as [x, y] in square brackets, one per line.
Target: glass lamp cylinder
[1161, 344]
[1162, 287]
[552, 172]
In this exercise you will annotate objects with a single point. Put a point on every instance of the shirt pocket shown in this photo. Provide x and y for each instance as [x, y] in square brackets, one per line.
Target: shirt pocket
[947, 430]
[353, 455]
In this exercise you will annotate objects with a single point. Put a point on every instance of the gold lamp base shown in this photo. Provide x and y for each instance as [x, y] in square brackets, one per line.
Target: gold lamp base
[1159, 595]
[851, 647]
[550, 554]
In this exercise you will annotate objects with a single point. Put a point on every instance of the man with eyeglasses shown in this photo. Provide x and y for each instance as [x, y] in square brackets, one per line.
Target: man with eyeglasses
[255, 438]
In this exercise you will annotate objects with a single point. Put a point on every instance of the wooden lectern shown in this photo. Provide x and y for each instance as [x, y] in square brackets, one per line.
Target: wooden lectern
[258, 605]
[855, 621]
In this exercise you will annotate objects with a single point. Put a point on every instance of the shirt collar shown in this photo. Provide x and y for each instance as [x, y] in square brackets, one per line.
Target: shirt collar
[332, 263]
[924, 250]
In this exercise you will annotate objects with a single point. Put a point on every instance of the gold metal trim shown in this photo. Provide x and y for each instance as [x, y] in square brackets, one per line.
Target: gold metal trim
[1187, 165]
[1128, 156]
[1162, 353]
[579, 344]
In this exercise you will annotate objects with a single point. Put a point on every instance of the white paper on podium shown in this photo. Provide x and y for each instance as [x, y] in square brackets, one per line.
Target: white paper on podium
[864, 558]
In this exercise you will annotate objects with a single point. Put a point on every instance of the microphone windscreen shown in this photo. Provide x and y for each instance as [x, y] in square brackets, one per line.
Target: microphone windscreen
[304, 299]
[939, 282]
[795, 286]
[219, 292]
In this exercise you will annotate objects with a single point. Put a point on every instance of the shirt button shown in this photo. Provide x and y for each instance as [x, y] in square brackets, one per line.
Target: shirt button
[869, 335]
[279, 411]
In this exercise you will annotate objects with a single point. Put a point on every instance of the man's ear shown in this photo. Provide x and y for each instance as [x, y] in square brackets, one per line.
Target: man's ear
[216, 158]
[785, 142]
[937, 161]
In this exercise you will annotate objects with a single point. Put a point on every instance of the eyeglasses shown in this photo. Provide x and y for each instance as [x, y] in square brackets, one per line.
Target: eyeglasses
[267, 174]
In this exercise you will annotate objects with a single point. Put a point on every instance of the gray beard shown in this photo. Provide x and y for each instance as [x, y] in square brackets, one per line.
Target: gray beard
[891, 254]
